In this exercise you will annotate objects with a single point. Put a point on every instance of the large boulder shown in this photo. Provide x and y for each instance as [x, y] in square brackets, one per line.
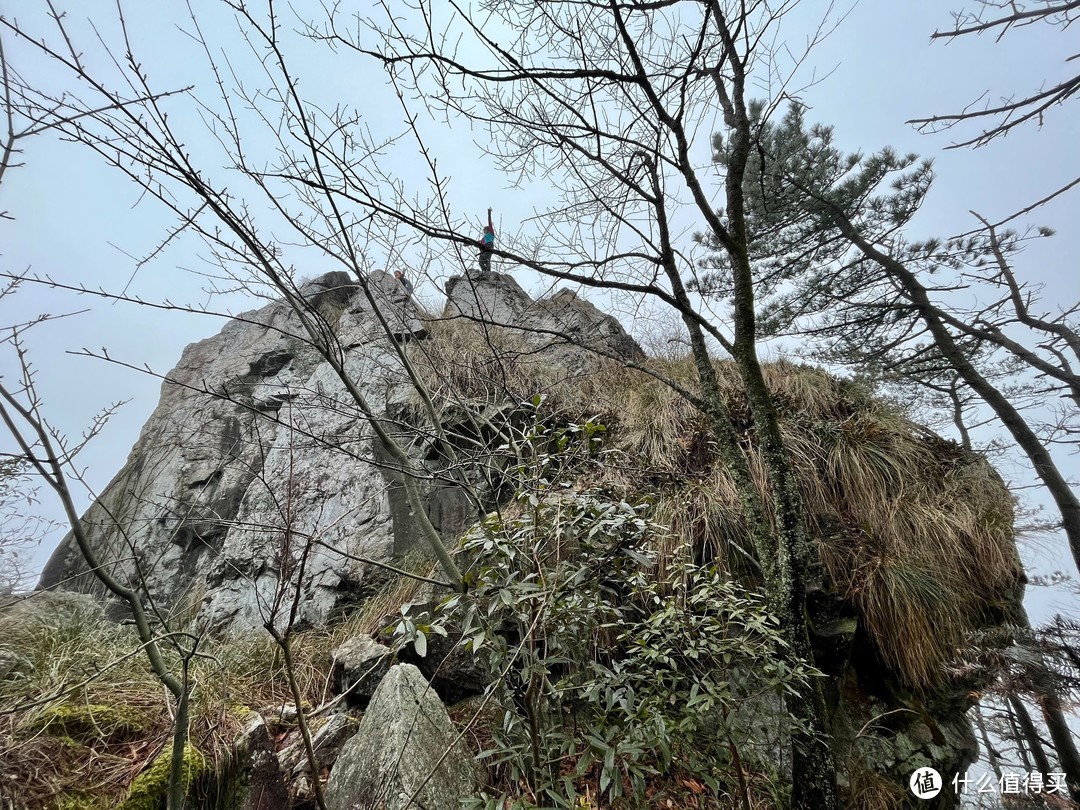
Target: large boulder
[383, 300]
[494, 298]
[257, 457]
[258, 461]
[565, 328]
[406, 753]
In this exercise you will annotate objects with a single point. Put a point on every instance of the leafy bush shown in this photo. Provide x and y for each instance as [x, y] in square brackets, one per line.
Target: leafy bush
[610, 670]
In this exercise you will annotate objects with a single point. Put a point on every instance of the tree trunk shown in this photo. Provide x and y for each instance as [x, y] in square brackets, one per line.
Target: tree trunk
[1063, 741]
[1018, 737]
[813, 765]
[1030, 735]
[991, 754]
[1043, 463]
[1045, 693]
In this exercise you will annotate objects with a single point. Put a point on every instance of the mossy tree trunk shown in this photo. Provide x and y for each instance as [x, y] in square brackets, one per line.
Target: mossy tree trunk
[785, 546]
[780, 537]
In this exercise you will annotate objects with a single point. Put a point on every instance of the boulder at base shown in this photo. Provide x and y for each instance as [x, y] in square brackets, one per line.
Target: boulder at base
[358, 667]
[395, 756]
[260, 784]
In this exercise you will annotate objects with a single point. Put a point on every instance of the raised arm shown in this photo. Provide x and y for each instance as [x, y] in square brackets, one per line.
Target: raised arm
[490, 225]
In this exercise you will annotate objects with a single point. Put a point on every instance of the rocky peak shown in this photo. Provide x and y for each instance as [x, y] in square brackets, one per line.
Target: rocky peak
[257, 451]
[564, 325]
[254, 418]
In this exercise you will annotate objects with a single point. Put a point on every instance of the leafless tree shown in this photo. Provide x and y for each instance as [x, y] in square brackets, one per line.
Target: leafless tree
[21, 530]
[606, 103]
[997, 18]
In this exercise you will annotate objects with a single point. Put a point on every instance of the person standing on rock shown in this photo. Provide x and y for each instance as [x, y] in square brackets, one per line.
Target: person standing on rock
[406, 285]
[487, 245]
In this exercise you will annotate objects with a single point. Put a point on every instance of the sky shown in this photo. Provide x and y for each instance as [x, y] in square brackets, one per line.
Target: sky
[77, 221]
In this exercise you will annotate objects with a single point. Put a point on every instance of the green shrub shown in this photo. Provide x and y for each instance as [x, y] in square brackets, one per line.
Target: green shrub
[611, 670]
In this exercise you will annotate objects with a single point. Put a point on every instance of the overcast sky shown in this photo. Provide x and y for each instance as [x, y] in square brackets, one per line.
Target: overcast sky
[79, 222]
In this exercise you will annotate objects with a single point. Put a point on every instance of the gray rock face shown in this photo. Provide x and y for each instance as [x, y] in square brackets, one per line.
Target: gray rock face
[326, 742]
[398, 752]
[358, 666]
[565, 328]
[258, 462]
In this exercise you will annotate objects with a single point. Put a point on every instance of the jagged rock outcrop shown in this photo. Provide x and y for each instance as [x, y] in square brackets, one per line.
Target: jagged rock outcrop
[564, 328]
[197, 504]
[259, 463]
[256, 450]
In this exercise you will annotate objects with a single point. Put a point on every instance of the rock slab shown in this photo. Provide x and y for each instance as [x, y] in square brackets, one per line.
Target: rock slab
[396, 760]
[564, 328]
[250, 419]
[357, 668]
[259, 782]
[255, 418]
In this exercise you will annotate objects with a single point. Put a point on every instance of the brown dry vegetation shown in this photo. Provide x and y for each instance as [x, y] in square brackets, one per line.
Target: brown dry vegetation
[83, 715]
[913, 530]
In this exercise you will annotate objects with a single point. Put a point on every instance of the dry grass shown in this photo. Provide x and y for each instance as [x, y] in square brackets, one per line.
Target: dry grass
[65, 732]
[916, 532]
[85, 715]
[387, 600]
[872, 791]
[913, 530]
[461, 361]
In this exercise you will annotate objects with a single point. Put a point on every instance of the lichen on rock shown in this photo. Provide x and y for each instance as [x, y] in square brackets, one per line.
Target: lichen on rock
[404, 754]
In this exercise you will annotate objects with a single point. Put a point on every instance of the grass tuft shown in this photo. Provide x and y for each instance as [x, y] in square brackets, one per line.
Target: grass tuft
[913, 530]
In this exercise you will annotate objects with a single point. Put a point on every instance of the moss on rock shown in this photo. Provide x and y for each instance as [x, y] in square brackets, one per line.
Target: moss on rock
[79, 801]
[90, 722]
[149, 789]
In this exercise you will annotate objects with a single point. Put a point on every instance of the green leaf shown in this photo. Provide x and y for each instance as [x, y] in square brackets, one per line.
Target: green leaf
[420, 644]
